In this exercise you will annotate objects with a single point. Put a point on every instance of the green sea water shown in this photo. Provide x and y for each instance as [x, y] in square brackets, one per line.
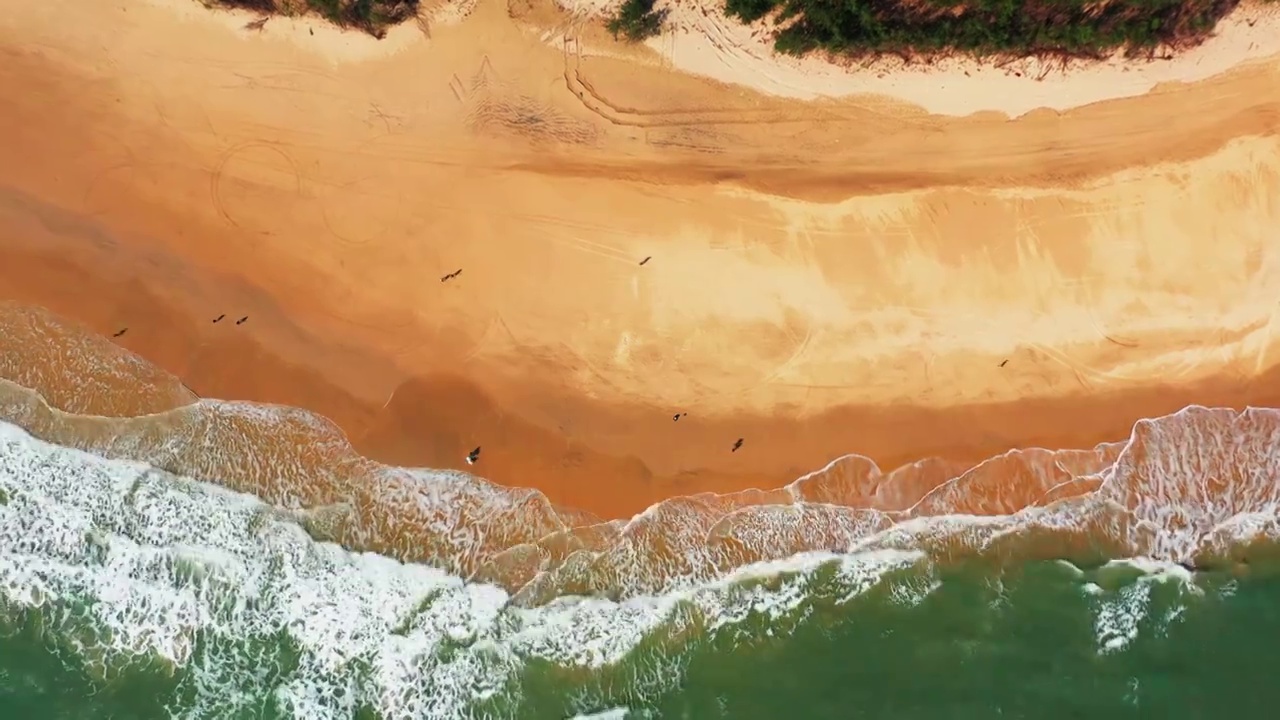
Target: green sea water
[129, 593]
[1024, 645]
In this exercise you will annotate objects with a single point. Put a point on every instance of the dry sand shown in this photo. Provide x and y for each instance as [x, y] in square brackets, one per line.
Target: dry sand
[840, 276]
[698, 38]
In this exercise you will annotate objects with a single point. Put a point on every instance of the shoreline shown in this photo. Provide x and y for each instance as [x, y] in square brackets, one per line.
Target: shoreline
[790, 303]
[408, 432]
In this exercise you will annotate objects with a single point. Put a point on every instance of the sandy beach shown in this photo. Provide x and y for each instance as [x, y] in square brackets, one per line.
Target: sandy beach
[699, 38]
[828, 276]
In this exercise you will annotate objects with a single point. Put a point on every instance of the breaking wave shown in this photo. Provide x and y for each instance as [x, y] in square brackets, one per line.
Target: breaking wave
[121, 569]
[246, 557]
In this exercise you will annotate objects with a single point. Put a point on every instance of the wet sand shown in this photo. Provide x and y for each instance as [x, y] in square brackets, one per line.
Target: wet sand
[828, 278]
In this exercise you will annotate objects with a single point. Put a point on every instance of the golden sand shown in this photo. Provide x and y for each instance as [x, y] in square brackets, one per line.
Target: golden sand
[837, 276]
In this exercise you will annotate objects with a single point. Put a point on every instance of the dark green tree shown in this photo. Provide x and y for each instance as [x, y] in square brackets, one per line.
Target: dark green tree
[636, 20]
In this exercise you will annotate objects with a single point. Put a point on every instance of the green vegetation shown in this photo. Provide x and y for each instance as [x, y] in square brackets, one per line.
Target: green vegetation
[371, 16]
[636, 20]
[913, 28]
[863, 28]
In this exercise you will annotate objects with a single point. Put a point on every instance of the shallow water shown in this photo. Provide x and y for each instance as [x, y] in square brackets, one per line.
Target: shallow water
[227, 559]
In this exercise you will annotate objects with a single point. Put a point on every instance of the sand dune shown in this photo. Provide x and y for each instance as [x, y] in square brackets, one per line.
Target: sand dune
[841, 276]
[699, 38]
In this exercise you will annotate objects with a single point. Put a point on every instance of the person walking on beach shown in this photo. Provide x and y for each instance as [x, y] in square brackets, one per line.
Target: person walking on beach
[473, 456]
[737, 445]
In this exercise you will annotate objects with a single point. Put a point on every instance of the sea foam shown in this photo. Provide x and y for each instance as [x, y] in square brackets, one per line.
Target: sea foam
[129, 566]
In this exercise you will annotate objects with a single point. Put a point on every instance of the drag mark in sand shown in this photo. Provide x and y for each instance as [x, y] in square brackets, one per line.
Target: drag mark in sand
[798, 354]
[558, 233]
[236, 156]
[1265, 344]
[580, 87]
[356, 212]
[1089, 307]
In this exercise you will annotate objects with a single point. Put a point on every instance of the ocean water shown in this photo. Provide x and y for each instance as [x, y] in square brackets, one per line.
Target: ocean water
[232, 560]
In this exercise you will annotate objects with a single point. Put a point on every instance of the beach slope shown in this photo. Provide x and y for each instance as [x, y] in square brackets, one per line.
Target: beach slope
[498, 230]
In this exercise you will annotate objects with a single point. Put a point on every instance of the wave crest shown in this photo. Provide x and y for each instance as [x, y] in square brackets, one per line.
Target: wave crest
[1182, 486]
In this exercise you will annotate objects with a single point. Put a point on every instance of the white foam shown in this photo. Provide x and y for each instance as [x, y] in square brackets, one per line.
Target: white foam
[1153, 569]
[617, 713]
[1122, 597]
[155, 566]
[1118, 617]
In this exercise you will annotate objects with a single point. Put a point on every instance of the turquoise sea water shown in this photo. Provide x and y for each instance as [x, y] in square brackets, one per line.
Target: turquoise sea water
[129, 592]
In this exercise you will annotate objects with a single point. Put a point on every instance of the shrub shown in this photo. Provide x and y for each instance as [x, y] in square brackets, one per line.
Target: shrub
[636, 20]
[984, 27]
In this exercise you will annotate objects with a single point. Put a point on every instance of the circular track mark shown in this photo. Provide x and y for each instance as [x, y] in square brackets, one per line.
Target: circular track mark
[243, 182]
